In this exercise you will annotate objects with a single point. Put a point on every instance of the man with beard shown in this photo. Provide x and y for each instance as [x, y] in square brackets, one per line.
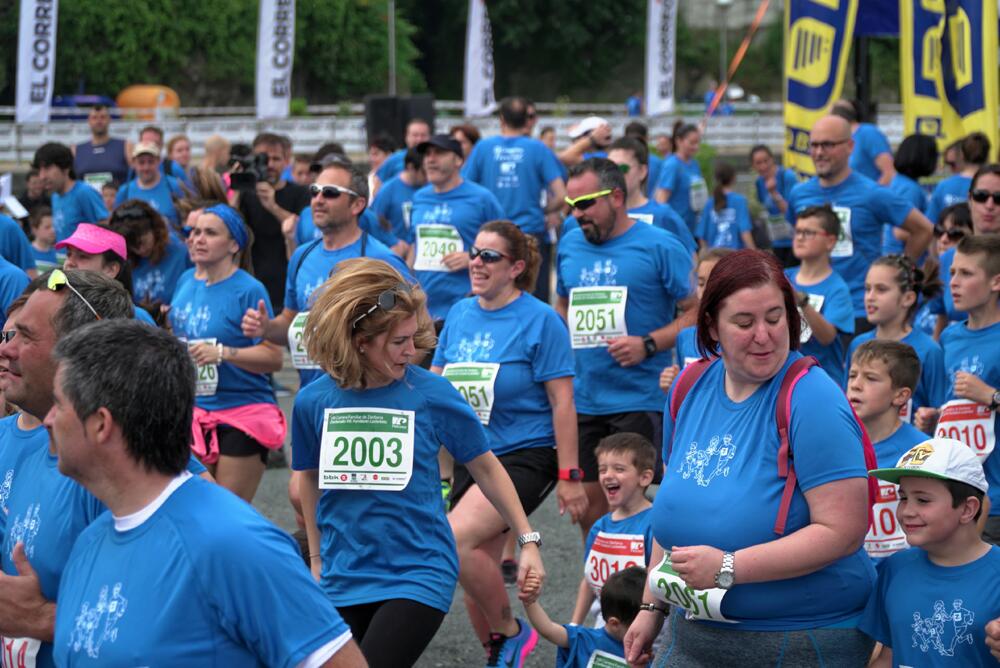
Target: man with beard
[620, 284]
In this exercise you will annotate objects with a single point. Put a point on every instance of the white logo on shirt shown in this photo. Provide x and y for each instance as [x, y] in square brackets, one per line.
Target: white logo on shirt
[973, 365]
[8, 479]
[24, 530]
[193, 323]
[90, 633]
[603, 273]
[933, 631]
[439, 213]
[310, 288]
[476, 350]
[697, 462]
[151, 284]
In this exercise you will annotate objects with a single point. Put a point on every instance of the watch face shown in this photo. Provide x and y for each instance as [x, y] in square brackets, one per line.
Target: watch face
[725, 580]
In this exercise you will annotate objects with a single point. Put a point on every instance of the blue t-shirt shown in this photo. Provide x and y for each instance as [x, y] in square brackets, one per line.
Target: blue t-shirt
[310, 266]
[721, 488]
[160, 197]
[869, 143]
[13, 281]
[585, 644]
[836, 308]
[198, 566]
[688, 194]
[156, 283]
[517, 170]
[620, 544]
[948, 191]
[722, 229]
[976, 352]
[47, 260]
[886, 526]
[394, 202]
[200, 311]
[910, 191]
[687, 346]
[932, 388]
[650, 213]
[82, 204]
[15, 444]
[934, 616]
[369, 542]
[656, 269]
[653, 175]
[14, 245]
[785, 180]
[943, 303]
[529, 341]
[465, 207]
[863, 207]
[306, 231]
[392, 166]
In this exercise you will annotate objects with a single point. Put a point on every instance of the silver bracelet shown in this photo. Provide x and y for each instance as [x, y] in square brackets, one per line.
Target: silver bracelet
[219, 349]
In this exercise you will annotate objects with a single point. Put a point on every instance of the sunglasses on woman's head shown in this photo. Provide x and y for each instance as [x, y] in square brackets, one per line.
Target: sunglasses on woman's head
[487, 255]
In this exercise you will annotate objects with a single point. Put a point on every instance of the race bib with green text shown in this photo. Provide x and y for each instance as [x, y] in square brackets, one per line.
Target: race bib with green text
[434, 242]
[366, 448]
[596, 314]
[474, 381]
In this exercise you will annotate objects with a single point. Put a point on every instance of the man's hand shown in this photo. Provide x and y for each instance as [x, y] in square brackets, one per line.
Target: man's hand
[24, 612]
[288, 225]
[667, 377]
[601, 136]
[627, 350]
[265, 193]
[456, 261]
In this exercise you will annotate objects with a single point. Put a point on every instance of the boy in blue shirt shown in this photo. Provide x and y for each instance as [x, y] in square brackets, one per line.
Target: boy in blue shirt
[881, 381]
[579, 646]
[823, 297]
[931, 604]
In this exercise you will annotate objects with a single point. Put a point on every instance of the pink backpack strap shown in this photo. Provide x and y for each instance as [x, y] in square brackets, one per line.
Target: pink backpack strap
[682, 385]
[783, 413]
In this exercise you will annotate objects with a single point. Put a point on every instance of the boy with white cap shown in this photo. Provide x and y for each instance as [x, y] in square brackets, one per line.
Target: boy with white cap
[931, 604]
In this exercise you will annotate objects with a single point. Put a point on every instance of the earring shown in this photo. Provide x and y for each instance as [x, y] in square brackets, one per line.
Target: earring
[361, 349]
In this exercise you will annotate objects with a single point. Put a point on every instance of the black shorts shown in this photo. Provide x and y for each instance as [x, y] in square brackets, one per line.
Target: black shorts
[235, 443]
[532, 470]
[592, 428]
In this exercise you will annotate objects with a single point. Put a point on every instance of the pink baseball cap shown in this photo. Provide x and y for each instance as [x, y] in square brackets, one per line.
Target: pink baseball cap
[95, 240]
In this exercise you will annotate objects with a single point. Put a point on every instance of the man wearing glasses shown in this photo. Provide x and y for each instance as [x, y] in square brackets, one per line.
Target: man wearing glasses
[862, 206]
[518, 169]
[620, 285]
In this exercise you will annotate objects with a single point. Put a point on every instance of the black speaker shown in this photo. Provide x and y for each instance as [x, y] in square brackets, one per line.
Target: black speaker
[418, 106]
[388, 115]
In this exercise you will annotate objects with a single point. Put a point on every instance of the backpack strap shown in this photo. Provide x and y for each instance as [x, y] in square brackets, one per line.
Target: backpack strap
[783, 412]
[682, 385]
[311, 246]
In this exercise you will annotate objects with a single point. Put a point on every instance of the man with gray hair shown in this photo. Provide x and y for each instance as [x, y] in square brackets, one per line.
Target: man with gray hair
[157, 581]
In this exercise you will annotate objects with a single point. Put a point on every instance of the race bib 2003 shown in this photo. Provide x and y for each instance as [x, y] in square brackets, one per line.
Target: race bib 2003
[366, 448]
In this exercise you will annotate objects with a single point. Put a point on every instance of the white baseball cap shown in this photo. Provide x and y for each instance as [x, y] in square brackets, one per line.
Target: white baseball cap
[941, 458]
[589, 124]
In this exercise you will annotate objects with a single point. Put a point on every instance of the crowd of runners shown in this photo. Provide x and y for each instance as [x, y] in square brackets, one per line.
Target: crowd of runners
[772, 417]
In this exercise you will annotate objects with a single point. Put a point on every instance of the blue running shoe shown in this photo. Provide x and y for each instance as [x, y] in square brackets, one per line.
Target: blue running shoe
[511, 651]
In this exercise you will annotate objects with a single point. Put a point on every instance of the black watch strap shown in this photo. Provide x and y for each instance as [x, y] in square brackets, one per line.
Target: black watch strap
[650, 345]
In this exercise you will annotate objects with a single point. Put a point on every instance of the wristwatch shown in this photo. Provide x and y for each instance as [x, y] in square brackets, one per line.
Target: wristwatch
[571, 474]
[532, 537]
[652, 607]
[650, 345]
[727, 574]
[803, 300]
[995, 402]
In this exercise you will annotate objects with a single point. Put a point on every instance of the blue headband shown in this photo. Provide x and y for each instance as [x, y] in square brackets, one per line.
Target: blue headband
[233, 222]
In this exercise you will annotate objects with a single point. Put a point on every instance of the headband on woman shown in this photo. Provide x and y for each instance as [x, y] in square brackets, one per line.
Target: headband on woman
[233, 222]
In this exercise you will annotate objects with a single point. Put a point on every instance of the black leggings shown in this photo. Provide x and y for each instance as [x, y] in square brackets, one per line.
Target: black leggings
[392, 633]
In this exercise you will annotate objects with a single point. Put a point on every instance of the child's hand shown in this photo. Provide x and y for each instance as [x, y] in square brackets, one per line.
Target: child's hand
[969, 386]
[667, 377]
[925, 419]
[532, 588]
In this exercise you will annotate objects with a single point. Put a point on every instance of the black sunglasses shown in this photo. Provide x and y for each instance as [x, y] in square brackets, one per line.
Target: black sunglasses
[954, 233]
[386, 301]
[131, 213]
[7, 335]
[980, 196]
[330, 191]
[487, 255]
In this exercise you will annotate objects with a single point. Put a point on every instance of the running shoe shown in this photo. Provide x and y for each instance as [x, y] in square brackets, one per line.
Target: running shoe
[511, 651]
[509, 569]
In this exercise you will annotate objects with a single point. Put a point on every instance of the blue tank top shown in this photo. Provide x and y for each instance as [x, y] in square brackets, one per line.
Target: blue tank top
[99, 161]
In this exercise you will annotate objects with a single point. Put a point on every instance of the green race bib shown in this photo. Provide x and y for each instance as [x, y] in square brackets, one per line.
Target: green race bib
[666, 585]
[296, 344]
[596, 314]
[474, 381]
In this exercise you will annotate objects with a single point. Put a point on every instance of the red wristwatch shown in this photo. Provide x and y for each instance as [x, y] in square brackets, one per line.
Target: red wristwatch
[571, 474]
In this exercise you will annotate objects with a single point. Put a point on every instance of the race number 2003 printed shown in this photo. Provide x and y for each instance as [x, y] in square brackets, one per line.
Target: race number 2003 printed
[366, 448]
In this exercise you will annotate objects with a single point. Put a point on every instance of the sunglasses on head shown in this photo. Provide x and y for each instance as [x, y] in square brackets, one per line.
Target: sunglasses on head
[330, 191]
[57, 280]
[980, 196]
[487, 255]
[584, 202]
[386, 301]
[131, 213]
[953, 233]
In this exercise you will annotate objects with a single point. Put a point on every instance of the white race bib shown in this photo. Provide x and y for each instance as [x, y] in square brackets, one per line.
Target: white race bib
[19, 652]
[666, 585]
[96, 180]
[602, 659]
[207, 379]
[611, 553]
[698, 194]
[433, 243]
[778, 228]
[845, 242]
[597, 314]
[885, 536]
[474, 380]
[296, 344]
[366, 448]
[970, 423]
[642, 218]
[816, 301]
[906, 412]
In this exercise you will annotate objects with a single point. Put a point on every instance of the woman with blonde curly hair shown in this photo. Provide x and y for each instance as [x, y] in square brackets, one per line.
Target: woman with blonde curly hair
[365, 438]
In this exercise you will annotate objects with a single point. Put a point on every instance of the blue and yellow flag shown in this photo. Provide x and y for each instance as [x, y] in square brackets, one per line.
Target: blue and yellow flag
[948, 59]
[818, 36]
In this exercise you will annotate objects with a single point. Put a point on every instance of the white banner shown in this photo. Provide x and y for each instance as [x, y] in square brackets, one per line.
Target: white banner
[661, 43]
[479, 99]
[275, 49]
[36, 60]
